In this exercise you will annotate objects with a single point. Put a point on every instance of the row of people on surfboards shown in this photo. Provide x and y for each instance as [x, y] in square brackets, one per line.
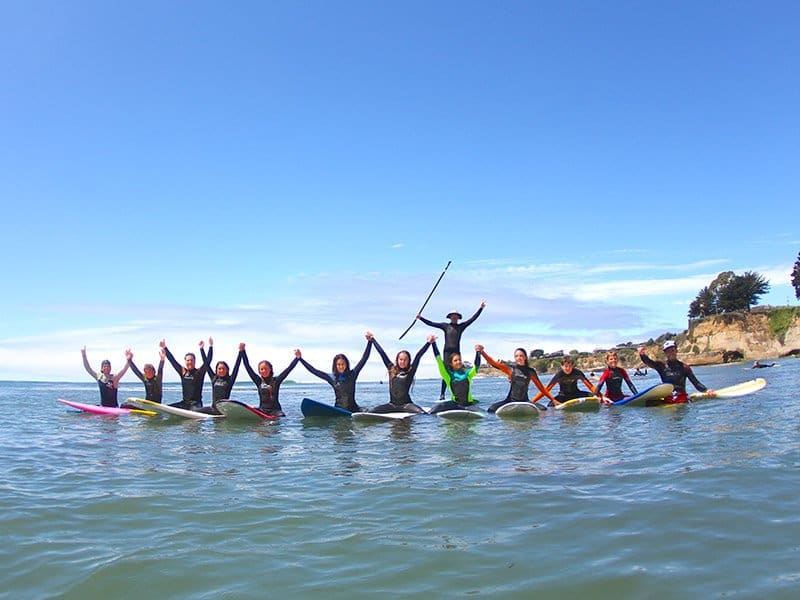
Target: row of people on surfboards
[456, 377]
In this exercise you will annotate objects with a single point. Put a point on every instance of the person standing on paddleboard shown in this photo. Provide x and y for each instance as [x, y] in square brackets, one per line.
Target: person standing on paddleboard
[567, 379]
[458, 380]
[222, 379]
[613, 377]
[106, 381]
[267, 383]
[673, 371]
[452, 335]
[401, 378]
[152, 379]
[191, 377]
[520, 375]
[342, 379]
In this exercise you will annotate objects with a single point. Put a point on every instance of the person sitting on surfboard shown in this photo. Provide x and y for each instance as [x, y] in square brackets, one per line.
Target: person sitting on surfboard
[191, 377]
[452, 334]
[613, 377]
[342, 379]
[458, 379]
[401, 378]
[673, 371]
[152, 379]
[222, 379]
[520, 375]
[106, 381]
[267, 383]
[567, 378]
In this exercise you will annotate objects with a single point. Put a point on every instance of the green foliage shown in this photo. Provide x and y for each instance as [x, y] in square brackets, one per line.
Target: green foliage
[728, 293]
[537, 353]
[780, 319]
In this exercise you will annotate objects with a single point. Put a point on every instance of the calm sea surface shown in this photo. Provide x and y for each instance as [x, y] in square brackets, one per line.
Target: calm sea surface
[697, 501]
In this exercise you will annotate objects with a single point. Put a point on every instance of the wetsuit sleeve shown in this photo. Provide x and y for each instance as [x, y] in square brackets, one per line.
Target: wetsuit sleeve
[475, 365]
[253, 375]
[363, 360]
[691, 377]
[235, 371]
[604, 375]
[497, 364]
[648, 361]
[385, 358]
[207, 362]
[137, 372]
[586, 381]
[442, 326]
[471, 320]
[540, 386]
[555, 380]
[173, 362]
[287, 370]
[629, 382]
[160, 372]
[317, 372]
[87, 366]
[418, 358]
[119, 375]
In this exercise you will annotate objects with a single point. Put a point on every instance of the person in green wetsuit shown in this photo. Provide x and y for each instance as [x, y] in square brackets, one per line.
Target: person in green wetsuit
[458, 379]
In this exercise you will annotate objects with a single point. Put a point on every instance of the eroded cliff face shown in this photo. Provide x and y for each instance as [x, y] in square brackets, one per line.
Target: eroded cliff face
[769, 333]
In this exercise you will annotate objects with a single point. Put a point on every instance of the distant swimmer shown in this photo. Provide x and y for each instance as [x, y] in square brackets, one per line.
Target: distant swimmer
[758, 365]
[401, 379]
[106, 381]
[452, 334]
[639, 373]
[613, 377]
[458, 380]
[342, 378]
[267, 383]
[520, 375]
[673, 371]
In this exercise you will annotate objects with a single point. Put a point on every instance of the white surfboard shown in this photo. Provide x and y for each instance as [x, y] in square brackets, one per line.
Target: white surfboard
[461, 414]
[370, 417]
[170, 411]
[518, 410]
[733, 391]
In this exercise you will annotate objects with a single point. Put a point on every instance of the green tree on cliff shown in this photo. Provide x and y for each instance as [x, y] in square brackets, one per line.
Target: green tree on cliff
[796, 277]
[727, 293]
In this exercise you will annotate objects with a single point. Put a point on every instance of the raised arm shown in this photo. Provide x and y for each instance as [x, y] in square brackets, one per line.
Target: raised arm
[86, 364]
[364, 357]
[441, 326]
[475, 316]
[178, 368]
[285, 373]
[124, 370]
[235, 371]
[496, 363]
[313, 370]
[255, 377]
[385, 358]
[421, 352]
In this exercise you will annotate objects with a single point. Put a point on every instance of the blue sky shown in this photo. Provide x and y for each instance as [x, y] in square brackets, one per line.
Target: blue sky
[291, 174]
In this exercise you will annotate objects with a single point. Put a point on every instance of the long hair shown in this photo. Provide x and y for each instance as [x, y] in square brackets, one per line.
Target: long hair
[269, 364]
[346, 362]
[394, 369]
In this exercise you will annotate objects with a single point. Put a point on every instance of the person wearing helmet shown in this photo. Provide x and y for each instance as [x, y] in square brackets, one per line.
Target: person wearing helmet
[673, 371]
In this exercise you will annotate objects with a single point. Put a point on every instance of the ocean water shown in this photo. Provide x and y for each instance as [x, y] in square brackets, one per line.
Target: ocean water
[698, 501]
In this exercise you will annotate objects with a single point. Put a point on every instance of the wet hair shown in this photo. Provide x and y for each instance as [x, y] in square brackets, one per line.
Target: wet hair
[567, 360]
[452, 356]
[148, 366]
[269, 364]
[188, 354]
[521, 350]
[346, 363]
[222, 362]
[611, 353]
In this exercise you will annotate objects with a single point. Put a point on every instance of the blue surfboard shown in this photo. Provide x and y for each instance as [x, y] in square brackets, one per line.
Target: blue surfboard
[312, 408]
[657, 392]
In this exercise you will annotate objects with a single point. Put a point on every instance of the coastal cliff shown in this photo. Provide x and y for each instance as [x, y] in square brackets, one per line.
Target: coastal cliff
[763, 333]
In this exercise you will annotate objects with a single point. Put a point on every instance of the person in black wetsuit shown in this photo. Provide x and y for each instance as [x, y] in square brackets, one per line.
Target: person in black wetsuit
[342, 379]
[222, 379]
[613, 377]
[106, 381]
[673, 371]
[401, 379]
[191, 377]
[267, 383]
[452, 335]
[567, 378]
[520, 375]
[153, 380]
